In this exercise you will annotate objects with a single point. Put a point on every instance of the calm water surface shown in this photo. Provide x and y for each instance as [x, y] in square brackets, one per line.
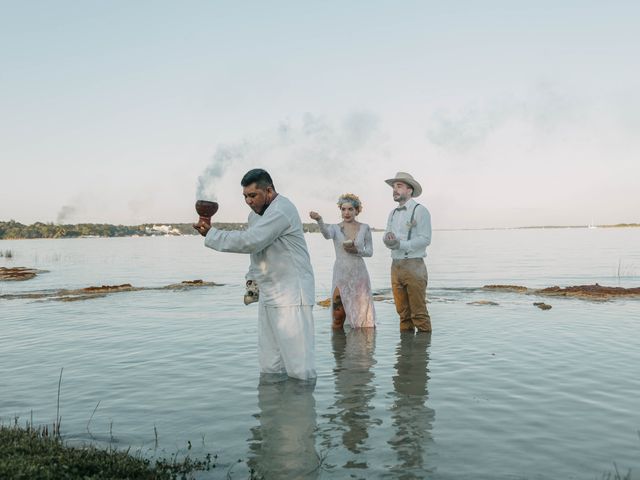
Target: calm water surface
[496, 392]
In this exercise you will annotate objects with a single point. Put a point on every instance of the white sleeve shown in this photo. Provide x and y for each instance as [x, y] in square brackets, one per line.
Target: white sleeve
[421, 231]
[367, 248]
[327, 231]
[255, 239]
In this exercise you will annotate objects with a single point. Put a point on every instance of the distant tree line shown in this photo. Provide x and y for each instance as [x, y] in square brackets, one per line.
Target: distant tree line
[16, 230]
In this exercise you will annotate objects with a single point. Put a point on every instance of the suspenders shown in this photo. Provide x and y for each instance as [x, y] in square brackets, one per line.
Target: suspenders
[411, 221]
[413, 212]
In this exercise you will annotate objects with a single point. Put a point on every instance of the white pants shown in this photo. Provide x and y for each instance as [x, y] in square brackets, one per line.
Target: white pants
[286, 340]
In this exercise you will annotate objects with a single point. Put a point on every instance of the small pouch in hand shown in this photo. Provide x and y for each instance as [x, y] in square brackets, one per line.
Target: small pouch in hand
[252, 293]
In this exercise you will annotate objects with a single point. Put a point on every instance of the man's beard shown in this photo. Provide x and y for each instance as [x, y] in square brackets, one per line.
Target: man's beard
[263, 209]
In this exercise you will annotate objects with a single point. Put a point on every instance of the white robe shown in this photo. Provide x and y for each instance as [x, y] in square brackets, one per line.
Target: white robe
[281, 267]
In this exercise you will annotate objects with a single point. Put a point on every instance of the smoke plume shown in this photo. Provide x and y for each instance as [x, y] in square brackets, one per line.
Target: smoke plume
[65, 212]
[314, 146]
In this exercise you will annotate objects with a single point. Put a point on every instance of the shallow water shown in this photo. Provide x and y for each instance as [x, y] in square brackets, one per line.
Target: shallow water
[506, 391]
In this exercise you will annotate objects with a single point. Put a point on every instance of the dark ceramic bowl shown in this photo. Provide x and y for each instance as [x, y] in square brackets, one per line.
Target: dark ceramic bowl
[206, 209]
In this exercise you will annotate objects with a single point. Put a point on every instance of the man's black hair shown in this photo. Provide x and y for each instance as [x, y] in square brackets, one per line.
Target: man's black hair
[260, 177]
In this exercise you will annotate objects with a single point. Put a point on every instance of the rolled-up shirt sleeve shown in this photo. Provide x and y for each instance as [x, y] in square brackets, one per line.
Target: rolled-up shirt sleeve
[389, 228]
[420, 233]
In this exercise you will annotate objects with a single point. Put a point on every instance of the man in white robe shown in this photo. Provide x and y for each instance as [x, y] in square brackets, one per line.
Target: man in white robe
[281, 267]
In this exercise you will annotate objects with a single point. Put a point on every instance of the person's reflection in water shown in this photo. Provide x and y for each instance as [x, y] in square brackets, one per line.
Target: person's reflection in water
[411, 418]
[283, 444]
[353, 351]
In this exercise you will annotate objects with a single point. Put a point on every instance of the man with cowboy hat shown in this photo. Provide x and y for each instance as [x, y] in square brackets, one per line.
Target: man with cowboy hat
[407, 235]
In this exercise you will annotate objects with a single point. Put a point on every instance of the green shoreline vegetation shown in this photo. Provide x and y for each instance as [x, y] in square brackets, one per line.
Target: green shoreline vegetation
[37, 453]
[13, 230]
[40, 454]
[28, 453]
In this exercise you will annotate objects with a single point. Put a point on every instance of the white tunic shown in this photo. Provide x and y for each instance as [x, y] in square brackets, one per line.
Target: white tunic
[281, 267]
[280, 262]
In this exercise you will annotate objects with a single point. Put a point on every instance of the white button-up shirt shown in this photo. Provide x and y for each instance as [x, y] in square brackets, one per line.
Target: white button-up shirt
[280, 262]
[400, 223]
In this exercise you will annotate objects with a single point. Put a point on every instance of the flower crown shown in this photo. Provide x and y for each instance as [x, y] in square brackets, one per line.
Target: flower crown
[352, 199]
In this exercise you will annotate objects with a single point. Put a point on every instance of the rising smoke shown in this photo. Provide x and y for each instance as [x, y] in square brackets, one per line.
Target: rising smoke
[313, 147]
[224, 156]
[65, 213]
[542, 112]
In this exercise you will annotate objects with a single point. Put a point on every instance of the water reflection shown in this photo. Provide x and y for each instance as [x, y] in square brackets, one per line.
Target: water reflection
[351, 412]
[282, 446]
[412, 419]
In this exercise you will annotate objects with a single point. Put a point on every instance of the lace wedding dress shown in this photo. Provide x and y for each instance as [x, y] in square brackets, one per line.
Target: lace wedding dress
[350, 275]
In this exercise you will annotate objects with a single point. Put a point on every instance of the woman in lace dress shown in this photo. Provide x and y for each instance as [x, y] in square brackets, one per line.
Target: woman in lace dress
[351, 287]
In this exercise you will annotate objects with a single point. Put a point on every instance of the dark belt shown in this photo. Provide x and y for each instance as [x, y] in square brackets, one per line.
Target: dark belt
[394, 260]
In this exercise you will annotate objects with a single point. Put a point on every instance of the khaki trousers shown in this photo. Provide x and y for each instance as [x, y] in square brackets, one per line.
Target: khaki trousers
[409, 284]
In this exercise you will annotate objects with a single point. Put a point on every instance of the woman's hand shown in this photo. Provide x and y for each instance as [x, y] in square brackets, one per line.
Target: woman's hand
[350, 247]
[315, 216]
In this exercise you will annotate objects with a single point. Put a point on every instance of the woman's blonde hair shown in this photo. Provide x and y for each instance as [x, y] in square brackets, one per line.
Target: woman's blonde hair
[352, 199]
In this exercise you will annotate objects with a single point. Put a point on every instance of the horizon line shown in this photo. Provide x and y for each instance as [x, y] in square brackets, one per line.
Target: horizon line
[522, 227]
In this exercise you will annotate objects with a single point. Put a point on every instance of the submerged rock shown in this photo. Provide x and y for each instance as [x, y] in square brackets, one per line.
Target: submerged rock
[483, 302]
[18, 273]
[506, 288]
[188, 284]
[384, 294]
[326, 303]
[590, 291]
[65, 295]
[109, 288]
[542, 305]
[587, 292]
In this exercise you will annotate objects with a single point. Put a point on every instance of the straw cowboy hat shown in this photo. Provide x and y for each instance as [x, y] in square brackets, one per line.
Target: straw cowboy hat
[404, 177]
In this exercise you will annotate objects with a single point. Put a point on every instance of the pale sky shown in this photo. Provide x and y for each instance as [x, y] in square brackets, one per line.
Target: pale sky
[509, 113]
